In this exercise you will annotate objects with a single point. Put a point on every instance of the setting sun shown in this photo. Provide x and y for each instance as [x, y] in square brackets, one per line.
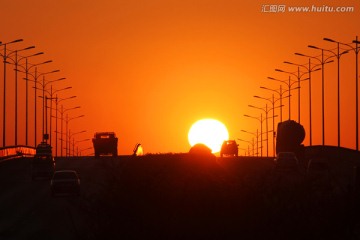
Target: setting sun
[210, 132]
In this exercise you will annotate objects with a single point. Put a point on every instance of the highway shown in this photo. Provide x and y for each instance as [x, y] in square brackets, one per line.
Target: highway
[154, 191]
[169, 197]
[27, 209]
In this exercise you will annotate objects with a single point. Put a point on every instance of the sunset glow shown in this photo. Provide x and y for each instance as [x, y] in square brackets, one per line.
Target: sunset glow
[210, 132]
[148, 66]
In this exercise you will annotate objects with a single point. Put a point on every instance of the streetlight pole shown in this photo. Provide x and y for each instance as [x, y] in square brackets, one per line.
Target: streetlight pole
[280, 98]
[257, 140]
[16, 63]
[52, 98]
[62, 111]
[68, 131]
[44, 84]
[310, 70]
[5, 56]
[72, 135]
[76, 142]
[322, 61]
[356, 50]
[298, 76]
[252, 143]
[356, 41]
[51, 108]
[35, 77]
[337, 55]
[260, 119]
[266, 110]
[81, 150]
[26, 71]
[266, 123]
[289, 84]
[272, 101]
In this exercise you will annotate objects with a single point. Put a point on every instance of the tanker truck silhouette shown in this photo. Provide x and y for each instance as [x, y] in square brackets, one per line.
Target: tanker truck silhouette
[290, 136]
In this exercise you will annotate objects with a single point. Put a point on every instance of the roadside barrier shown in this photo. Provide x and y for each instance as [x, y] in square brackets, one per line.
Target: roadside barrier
[16, 151]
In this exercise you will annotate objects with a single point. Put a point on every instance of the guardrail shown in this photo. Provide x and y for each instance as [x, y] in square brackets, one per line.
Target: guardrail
[16, 151]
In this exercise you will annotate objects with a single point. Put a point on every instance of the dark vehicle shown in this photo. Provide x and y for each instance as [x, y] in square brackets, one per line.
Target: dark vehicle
[42, 166]
[105, 143]
[43, 149]
[229, 147]
[43, 163]
[286, 162]
[65, 182]
[317, 166]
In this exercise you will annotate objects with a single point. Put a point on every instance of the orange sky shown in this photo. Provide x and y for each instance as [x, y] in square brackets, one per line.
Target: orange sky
[149, 69]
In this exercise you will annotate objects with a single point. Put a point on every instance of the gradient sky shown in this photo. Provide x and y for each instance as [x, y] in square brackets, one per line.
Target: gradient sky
[148, 69]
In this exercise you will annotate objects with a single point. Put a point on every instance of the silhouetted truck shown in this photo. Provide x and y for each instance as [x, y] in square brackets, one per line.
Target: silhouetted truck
[105, 143]
[43, 163]
[289, 138]
[44, 149]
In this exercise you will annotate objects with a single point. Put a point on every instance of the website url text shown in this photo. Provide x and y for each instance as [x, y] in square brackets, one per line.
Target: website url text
[273, 8]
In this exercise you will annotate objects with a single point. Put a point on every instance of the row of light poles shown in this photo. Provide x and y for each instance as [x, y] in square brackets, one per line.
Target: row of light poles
[5, 55]
[310, 67]
[326, 59]
[40, 84]
[336, 54]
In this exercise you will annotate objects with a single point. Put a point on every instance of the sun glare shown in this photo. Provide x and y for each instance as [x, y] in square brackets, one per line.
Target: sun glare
[210, 132]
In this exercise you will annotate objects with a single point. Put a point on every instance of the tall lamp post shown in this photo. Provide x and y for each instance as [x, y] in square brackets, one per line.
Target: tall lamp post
[71, 135]
[43, 85]
[260, 119]
[16, 62]
[245, 150]
[67, 120]
[79, 151]
[298, 75]
[77, 148]
[322, 61]
[310, 69]
[256, 134]
[337, 55]
[266, 110]
[51, 108]
[356, 50]
[35, 80]
[289, 84]
[266, 123]
[36, 76]
[5, 56]
[62, 111]
[250, 142]
[26, 70]
[51, 98]
[272, 101]
[281, 93]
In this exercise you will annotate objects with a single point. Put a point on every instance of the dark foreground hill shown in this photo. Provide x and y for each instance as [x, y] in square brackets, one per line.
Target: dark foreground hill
[179, 196]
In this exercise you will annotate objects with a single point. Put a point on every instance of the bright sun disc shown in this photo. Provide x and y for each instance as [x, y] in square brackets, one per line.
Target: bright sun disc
[210, 132]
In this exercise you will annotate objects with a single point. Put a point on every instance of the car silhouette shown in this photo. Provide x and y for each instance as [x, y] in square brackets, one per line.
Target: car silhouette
[318, 166]
[230, 148]
[65, 182]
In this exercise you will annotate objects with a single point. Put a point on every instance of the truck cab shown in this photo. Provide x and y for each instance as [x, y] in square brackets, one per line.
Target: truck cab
[105, 143]
[43, 163]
